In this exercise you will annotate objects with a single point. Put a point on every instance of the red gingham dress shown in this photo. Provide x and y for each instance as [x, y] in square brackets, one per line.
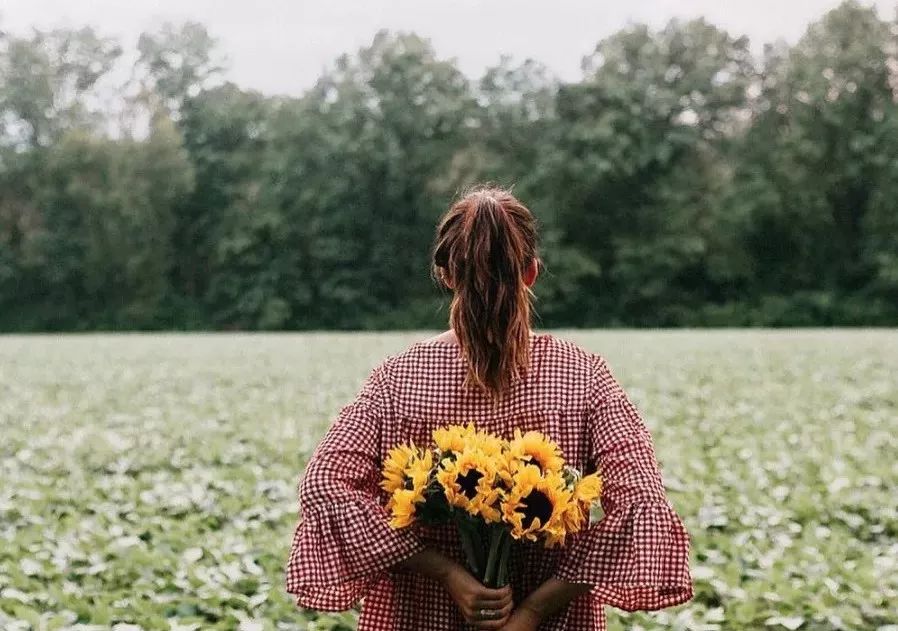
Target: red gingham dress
[636, 557]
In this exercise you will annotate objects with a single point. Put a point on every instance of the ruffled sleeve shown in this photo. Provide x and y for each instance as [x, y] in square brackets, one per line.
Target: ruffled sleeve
[343, 544]
[637, 556]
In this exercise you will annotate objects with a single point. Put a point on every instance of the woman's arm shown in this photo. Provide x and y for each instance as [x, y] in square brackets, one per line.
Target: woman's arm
[546, 600]
[343, 543]
[637, 556]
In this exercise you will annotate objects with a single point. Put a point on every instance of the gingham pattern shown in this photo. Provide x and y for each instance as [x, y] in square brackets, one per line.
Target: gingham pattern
[636, 556]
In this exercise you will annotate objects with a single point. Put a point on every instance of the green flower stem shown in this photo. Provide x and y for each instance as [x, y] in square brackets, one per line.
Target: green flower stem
[504, 554]
[469, 546]
[477, 535]
[492, 565]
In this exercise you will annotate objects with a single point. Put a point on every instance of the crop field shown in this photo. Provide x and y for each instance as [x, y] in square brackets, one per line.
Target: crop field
[149, 481]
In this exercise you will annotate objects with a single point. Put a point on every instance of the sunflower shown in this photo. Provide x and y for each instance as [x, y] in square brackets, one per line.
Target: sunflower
[574, 516]
[584, 491]
[419, 470]
[535, 448]
[588, 489]
[536, 504]
[555, 536]
[394, 467]
[402, 506]
[469, 483]
[406, 485]
[490, 444]
[453, 439]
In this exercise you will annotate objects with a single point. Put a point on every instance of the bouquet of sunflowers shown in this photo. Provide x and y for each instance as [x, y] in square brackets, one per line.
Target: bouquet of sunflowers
[494, 490]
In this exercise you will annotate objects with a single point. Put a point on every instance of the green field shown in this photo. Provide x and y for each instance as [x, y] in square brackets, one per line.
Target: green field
[150, 480]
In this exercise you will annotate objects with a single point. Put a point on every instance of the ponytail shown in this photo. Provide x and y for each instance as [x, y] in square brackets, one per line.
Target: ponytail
[485, 243]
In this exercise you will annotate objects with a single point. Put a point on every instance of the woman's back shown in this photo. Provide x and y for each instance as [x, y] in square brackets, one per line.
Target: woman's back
[567, 393]
[426, 388]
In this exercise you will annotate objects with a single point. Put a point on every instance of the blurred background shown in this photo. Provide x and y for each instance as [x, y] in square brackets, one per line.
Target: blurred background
[210, 165]
[176, 176]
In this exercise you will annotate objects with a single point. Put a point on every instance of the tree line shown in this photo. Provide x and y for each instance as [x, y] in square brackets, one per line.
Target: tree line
[682, 181]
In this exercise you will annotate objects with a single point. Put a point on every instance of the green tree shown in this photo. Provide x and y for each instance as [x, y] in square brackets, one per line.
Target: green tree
[681, 181]
[638, 158]
[175, 64]
[48, 81]
[106, 221]
[226, 135]
[818, 159]
[44, 80]
[355, 172]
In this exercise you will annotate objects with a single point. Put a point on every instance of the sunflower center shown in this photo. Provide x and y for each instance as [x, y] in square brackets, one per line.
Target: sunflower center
[468, 483]
[536, 504]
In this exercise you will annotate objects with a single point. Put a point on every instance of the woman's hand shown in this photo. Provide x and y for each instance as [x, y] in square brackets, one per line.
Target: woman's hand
[469, 594]
[471, 597]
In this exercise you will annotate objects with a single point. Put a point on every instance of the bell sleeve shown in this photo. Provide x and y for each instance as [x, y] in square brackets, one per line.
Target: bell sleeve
[637, 556]
[343, 544]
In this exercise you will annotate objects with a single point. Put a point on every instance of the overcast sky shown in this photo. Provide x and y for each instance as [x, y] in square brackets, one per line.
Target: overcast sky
[281, 46]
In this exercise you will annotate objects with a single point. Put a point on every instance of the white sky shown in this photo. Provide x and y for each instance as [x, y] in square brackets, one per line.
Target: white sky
[281, 46]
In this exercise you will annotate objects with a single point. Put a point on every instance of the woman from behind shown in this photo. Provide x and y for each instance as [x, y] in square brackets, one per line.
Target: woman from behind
[490, 368]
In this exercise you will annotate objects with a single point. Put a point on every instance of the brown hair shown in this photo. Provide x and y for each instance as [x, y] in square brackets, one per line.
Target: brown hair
[485, 242]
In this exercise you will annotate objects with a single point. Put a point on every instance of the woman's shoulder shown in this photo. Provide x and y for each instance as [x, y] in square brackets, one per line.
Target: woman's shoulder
[566, 354]
[431, 355]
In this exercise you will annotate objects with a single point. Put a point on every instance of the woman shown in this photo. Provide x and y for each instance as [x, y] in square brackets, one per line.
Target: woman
[492, 369]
